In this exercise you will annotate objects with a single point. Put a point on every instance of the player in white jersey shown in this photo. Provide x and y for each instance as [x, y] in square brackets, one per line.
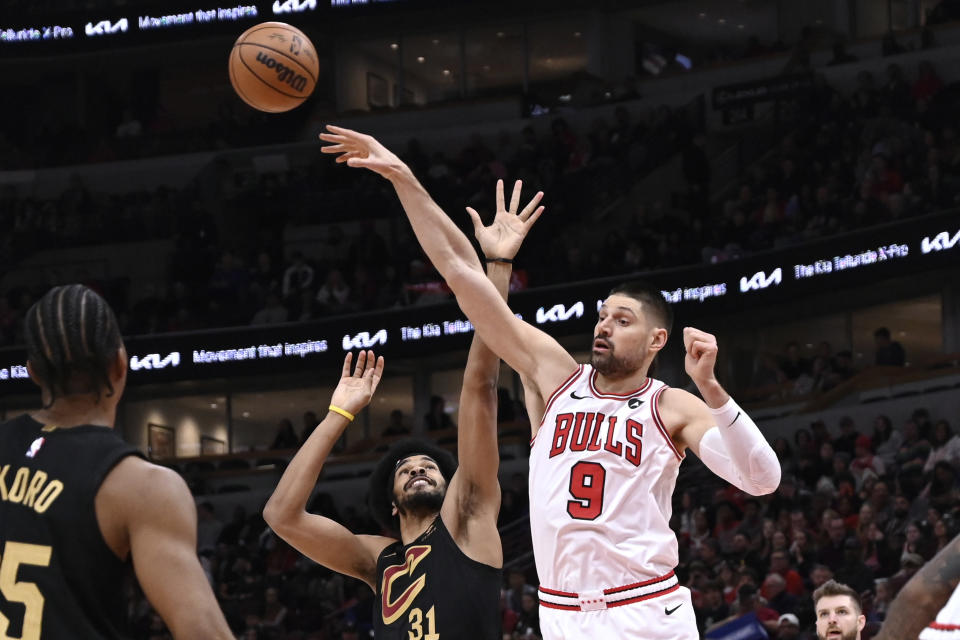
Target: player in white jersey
[600, 505]
[933, 591]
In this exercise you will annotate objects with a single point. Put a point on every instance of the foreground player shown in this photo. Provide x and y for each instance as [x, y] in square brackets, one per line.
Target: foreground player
[77, 503]
[604, 468]
[929, 604]
[838, 611]
[442, 578]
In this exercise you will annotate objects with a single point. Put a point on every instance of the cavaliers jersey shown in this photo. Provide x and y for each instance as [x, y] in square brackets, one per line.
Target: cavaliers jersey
[58, 578]
[430, 590]
[947, 624]
[602, 473]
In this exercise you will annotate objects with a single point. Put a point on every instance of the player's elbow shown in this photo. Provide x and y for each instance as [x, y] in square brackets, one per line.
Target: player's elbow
[459, 274]
[275, 515]
[766, 472]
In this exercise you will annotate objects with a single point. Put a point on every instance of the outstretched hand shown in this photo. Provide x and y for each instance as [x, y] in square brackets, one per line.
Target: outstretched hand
[502, 239]
[360, 150]
[356, 389]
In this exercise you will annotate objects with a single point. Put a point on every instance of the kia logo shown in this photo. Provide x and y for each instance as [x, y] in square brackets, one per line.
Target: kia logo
[559, 313]
[154, 361]
[760, 280]
[364, 340]
[293, 6]
[104, 27]
[941, 242]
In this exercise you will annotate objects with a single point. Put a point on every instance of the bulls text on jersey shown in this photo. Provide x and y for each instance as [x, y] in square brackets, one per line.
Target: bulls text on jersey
[591, 431]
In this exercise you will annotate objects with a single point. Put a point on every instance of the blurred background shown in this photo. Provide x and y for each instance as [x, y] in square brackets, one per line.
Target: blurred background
[788, 173]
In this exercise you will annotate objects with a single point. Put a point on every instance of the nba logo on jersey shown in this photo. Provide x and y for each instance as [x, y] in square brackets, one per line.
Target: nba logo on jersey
[35, 447]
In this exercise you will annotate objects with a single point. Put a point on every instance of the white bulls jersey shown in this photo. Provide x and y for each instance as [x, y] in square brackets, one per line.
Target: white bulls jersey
[602, 474]
[947, 624]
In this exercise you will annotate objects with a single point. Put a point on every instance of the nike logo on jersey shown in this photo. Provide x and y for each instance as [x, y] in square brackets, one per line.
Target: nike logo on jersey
[669, 611]
[573, 394]
[633, 403]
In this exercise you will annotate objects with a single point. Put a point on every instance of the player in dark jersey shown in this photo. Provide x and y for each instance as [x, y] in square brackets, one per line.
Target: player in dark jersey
[78, 505]
[441, 579]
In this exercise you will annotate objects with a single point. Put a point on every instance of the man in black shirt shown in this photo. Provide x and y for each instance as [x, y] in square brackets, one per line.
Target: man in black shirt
[78, 504]
[442, 577]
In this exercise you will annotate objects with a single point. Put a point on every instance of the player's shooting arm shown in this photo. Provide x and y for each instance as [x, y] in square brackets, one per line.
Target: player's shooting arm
[525, 348]
[321, 539]
[718, 431]
[922, 598]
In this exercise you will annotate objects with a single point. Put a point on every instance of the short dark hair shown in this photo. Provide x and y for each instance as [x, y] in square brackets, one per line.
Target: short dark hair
[834, 588]
[381, 496]
[652, 300]
[72, 338]
[882, 332]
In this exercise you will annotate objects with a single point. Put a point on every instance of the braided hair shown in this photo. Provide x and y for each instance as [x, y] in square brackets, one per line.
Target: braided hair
[72, 339]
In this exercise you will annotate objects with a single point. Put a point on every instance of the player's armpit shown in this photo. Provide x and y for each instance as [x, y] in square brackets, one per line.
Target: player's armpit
[331, 544]
[161, 522]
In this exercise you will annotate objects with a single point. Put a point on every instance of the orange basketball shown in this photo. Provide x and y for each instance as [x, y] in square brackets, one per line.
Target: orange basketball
[273, 67]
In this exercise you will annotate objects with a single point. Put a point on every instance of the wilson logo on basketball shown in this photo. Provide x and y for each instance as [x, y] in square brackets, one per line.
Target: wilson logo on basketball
[297, 81]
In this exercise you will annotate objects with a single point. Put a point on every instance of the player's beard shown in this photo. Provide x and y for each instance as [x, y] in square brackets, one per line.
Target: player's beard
[613, 365]
[852, 635]
[423, 502]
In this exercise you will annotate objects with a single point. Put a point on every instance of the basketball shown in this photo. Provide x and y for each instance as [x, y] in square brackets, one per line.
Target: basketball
[273, 67]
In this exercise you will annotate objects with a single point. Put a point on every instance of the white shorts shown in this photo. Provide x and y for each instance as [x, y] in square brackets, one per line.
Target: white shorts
[668, 617]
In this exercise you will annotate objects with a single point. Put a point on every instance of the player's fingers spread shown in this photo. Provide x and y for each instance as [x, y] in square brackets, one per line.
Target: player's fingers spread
[500, 200]
[527, 210]
[515, 196]
[346, 365]
[475, 218]
[333, 148]
[534, 217]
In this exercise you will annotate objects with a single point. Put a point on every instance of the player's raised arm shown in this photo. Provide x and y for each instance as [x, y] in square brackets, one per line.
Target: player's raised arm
[321, 539]
[528, 350]
[922, 598]
[718, 431]
[474, 495]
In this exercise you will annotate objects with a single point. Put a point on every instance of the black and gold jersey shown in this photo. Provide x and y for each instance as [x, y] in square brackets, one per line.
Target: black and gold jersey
[58, 578]
[430, 590]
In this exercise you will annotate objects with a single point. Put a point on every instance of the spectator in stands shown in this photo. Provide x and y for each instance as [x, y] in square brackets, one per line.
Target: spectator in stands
[886, 440]
[335, 294]
[942, 493]
[274, 612]
[889, 352]
[780, 565]
[944, 446]
[843, 365]
[517, 587]
[437, 418]
[775, 593]
[748, 604]
[714, 607]
[273, 312]
[528, 618]
[788, 627]
[397, 426]
[847, 440]
[913, 452]
[298, 276]
[831, 550]
[208, 527]
[864, 460]
[285, 437]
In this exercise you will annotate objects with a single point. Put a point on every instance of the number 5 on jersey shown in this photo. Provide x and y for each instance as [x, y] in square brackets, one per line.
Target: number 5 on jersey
[13, 555]
[586, 486]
